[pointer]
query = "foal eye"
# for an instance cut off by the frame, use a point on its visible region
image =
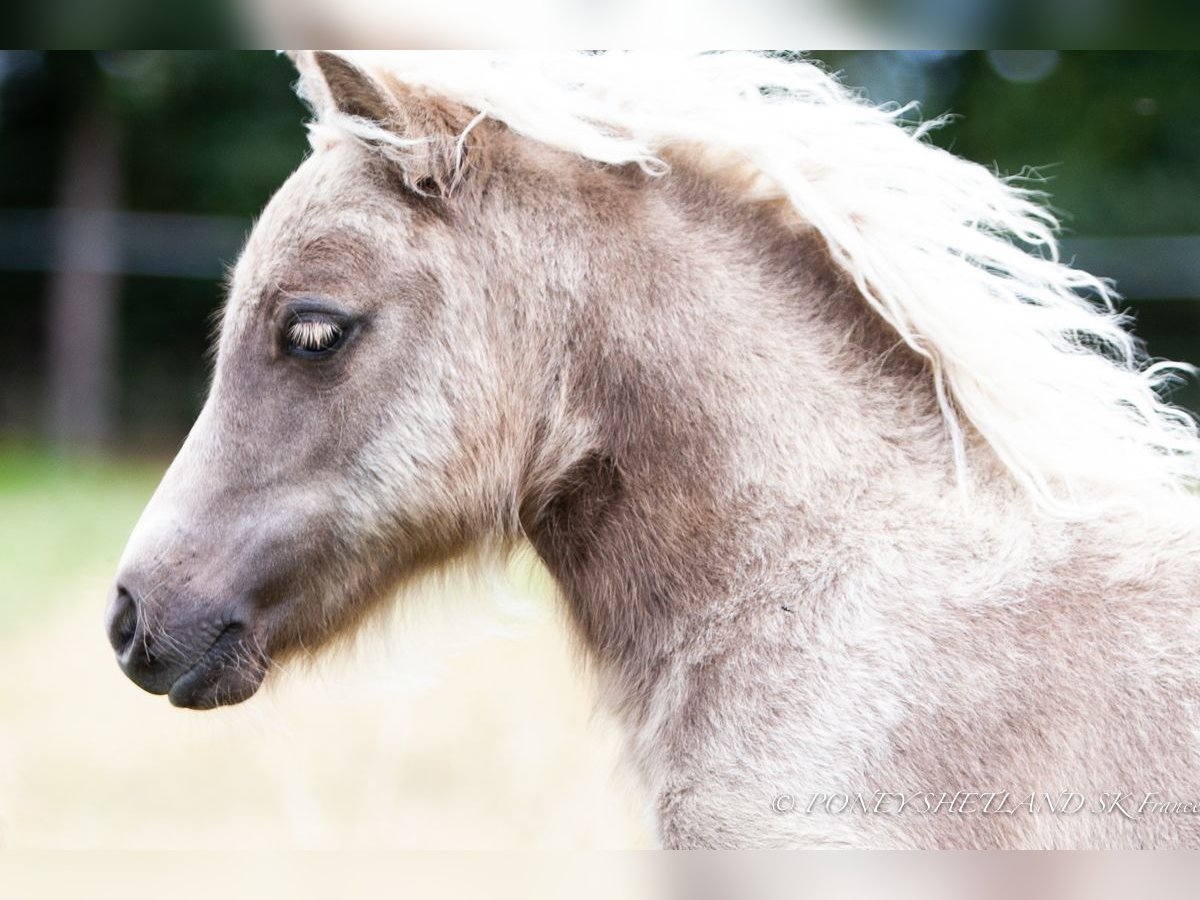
(313, 336)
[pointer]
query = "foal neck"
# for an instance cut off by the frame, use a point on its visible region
(753, 424)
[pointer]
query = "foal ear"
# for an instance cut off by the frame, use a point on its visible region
(352, 90)
(431, 139)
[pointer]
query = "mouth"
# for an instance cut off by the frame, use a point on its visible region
(229, 671)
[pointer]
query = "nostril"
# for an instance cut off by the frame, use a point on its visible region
(122, 621)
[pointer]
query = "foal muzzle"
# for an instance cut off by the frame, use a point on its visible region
(206, 659)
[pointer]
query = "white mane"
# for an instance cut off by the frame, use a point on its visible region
(962, 263)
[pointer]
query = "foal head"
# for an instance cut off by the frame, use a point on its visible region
(364, 401)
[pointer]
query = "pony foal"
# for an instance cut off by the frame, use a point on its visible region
(849, 486)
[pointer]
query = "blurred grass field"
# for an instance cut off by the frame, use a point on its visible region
(60, 525)
(470, 723)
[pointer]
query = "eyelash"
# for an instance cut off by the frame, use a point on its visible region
(313, 336)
